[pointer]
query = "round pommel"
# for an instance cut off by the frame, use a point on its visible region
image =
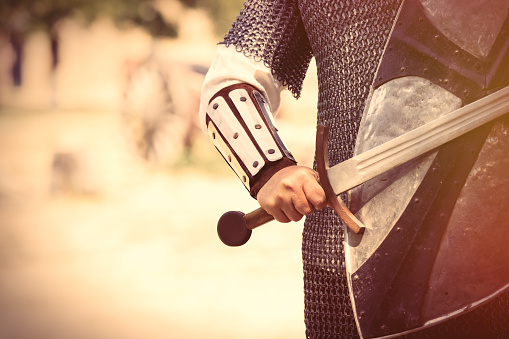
(232, 229)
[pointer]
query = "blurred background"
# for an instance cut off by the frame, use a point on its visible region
(109, 191)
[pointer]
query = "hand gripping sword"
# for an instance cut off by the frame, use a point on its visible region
(234, 228)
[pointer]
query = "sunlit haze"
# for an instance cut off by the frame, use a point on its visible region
(110, 194)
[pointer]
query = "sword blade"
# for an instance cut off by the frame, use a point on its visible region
(366, 166)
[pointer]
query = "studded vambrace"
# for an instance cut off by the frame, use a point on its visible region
(240, 123)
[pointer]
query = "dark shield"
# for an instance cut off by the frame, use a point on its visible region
(436, 243)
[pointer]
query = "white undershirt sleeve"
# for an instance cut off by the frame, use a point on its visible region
(231, 67)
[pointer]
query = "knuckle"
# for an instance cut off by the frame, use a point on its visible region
(316, 197)
(292, 213)
(283, 220)
(303, 208)
(280, 216)
(296, 217)
(279, 199)
(287, 185)
(320, 202)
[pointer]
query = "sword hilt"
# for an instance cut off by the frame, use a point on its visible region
(234, 228)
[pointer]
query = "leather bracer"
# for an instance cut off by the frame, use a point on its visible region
(240, 123)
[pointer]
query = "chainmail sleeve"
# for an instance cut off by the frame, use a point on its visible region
(272, 31)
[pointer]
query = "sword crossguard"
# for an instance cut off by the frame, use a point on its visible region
(322, 164)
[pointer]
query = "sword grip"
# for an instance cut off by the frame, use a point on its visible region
(257, 218)
(234, 227)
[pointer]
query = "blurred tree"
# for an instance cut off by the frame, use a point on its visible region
(44, 14)
(20, 17)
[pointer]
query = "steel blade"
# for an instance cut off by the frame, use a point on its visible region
(365, 166)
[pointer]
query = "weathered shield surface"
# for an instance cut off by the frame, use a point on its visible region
(436, 243)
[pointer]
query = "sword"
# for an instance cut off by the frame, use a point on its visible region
(234, 228)
(359, 169)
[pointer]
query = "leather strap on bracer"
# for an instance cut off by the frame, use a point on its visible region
(240, 123)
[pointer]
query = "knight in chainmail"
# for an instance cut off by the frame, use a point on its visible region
(275, 41)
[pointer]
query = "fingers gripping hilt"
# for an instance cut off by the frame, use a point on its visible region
(234, 228)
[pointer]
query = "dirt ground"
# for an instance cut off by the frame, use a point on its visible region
(128, 250)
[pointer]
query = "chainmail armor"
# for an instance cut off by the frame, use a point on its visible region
(272, 32)
(347, 39)
(347, 56)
